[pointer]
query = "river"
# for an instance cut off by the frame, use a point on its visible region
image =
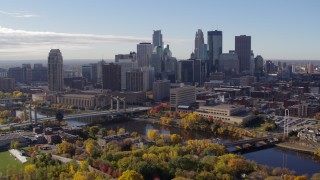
(273, 157)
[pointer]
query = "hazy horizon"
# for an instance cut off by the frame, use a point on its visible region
(28, 30)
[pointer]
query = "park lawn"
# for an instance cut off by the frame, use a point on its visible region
(7, 161)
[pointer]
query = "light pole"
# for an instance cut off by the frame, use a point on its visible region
(286, 125)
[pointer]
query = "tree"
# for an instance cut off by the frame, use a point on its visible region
(153, 134)
(93, 131)
(121, 131)
(130, 175)
(30, 170)
(59, 116)
(91, 147)
(66, 148)
(15, 144)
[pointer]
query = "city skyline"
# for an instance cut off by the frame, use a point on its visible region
(28, 30)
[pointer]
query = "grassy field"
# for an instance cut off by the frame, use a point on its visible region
(7, 161)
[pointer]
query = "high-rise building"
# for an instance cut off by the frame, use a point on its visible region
(243, 49)
(258, 63)
(270, 67)
(215, 49)
(126, 65)
(200, 48)
(157, 39)
(186, 71)
(55, 70)
(3, 72)
(7, 84)
(111, 77)
(27, 73)
(148, 78)
(99, 71)
(161, 90)
(310, 68)
(144, 53)
(185, 95)
(39, 73)
(16, 73)
(134, 80)
(229, 62)
(157, 56)
(87, 72)
(132, 56)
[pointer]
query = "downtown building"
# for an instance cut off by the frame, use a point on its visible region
(200, 48)
(144, 54)
(161, 90)
(111, 77)
(215, 49)
(39, 73)
(7, 84)
(243, 49)
(55, 70)
(126, 65)
(229, 62)
(182, 96)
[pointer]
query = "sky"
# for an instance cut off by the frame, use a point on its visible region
(96, 29)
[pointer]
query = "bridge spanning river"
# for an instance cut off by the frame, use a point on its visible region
(110, 113)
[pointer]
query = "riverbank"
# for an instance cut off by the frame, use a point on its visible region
(296, 147)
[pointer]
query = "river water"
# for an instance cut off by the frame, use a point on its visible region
(273, 157)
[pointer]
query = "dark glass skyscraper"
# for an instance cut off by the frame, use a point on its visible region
(243, 49)
(215, 49)
(157, 38)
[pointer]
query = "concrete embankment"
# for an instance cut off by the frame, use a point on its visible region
(295, 147)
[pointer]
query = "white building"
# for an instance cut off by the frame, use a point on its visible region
(184, 95)
(126, 65)
(225, 112)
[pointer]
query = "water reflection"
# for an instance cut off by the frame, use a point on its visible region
(274, 157)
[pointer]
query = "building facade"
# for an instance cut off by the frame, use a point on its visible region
(229, 62)
(215, 49)
(134, 80)
(161, 90)
(144, 53)
(111, 77)
(7, 84)
(184, 95)
(243, 49)
(55, 70)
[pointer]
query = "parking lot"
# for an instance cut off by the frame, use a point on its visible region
(294, 122)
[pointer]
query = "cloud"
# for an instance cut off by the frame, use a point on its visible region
(20, 14)
(17, 43)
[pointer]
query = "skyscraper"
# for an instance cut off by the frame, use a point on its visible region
(243, 49)
(111, 77)
(200, 48)
(215, 49)
(157, 39)
(156, 60)
(144, 53)
(134, 80)
(55, 70)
